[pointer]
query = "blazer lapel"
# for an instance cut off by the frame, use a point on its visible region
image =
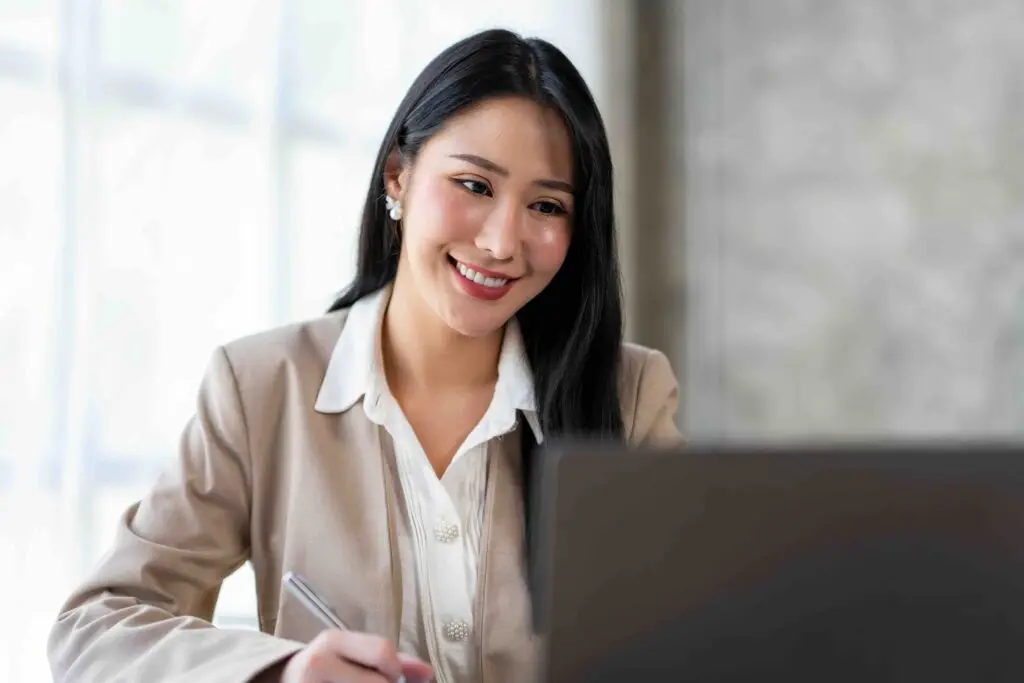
(377, 552)
(509, 649)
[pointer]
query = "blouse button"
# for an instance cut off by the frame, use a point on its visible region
(456, 630)
(446, 532)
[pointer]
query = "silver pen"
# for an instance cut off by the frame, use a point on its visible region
(300, 588)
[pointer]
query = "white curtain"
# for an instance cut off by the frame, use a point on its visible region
(175, 174)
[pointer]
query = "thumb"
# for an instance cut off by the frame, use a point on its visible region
(414, 669)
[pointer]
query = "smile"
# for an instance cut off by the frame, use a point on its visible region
(481, 286)
(479, 278)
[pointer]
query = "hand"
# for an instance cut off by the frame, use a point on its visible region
(347, 657)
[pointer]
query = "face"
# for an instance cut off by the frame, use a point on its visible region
(487, 210)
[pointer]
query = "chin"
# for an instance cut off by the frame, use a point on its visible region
(474, 329)
(474, 324)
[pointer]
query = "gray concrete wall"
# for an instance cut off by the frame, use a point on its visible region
(829, 223)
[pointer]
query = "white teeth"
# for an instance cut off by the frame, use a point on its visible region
(480, 279)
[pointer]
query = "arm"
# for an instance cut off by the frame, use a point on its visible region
(657, 399)
(144, 613)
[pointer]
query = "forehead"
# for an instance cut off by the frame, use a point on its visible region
(513, 132)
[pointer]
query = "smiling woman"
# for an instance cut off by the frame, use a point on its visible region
(381, 450)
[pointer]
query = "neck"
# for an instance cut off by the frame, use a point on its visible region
(421, 352)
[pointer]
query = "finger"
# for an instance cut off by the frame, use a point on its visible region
(415, 669)
(327, 666)
(369, 650)
(356, 673)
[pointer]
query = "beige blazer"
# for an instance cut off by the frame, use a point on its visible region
(261, 476)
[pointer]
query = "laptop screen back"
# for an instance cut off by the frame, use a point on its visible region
(874, 563)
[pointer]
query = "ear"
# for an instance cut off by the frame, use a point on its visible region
(396, 175)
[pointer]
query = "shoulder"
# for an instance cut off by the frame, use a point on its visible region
(644, 370)
(291, 359)
(309, 342)
(649, 394)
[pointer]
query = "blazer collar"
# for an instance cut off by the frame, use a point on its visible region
(354, 370)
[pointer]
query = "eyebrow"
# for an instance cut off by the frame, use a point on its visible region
(489, 165)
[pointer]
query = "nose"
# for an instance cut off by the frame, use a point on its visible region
(499, 235)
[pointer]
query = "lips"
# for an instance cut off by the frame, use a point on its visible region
(479, 283)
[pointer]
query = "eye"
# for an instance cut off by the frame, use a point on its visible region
(548, 208)
(475, 186)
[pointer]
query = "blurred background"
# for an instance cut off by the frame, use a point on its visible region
(821, 212)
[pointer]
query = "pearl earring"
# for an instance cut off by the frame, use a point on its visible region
(394, 208)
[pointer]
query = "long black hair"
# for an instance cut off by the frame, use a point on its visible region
(572, 330)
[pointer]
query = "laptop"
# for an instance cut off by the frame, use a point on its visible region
(733, 563)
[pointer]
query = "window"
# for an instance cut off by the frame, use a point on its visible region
(174, 174)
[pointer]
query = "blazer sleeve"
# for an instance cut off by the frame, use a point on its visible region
(656, 402)
(144, 613)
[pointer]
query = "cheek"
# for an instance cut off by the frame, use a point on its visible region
(549, 248)
(442, 215)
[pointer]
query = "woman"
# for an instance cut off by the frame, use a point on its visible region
(379, 451)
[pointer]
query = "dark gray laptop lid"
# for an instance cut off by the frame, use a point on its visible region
(734, 564)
